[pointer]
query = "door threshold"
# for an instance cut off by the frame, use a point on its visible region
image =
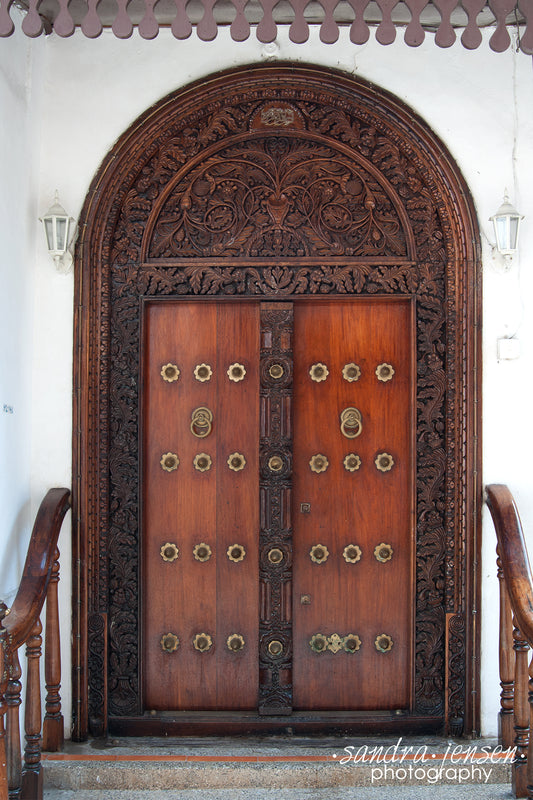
(223, 723)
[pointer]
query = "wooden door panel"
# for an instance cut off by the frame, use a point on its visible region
(187, 507)
(364, 507)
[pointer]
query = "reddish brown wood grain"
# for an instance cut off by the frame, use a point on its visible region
(365, 507)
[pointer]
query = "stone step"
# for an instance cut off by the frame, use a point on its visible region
(494, 791)
(284, 767)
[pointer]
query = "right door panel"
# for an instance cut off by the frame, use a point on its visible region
(353, 490)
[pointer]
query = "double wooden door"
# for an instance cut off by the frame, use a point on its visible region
(278, 505)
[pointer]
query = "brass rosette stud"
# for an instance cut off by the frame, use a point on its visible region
(170, 373)
(202, 552)
(275, 648)
(275, 463)
(383, 643)
(169, 462)
(352, 462)
(202, 462)
(319, 463)
(236, 553)
(335, 643)
(383, 552)
(203, 372)
(352, 553)
(169, 642)
(318, 372)
(384, 372)
(352, 643)
(202, 642)
(276, 371)
(318, 643)
(319, 553)
(236, 372)
(169, 552)
(235, 642)
(275, 555)
(384, 462)
(351, 372)
(236, 462)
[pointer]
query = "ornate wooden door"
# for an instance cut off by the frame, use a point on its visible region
(311, 229)
(278, 534)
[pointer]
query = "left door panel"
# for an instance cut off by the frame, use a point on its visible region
(199, 433)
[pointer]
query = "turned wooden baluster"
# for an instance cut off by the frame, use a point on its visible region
(53, 728)
(14, 760)
(3, 708)
(32, 778)
(521, 713)
(507, 663)
(530, 746)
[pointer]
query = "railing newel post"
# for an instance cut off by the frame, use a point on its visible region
(32, 778)
(506, 663)
(53, 726)
(4, 788)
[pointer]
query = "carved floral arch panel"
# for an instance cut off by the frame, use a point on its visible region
(277, 181)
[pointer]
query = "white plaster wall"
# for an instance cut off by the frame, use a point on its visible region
(20, 68)
(478, 102)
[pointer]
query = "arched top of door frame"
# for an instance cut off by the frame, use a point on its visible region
(440, 270)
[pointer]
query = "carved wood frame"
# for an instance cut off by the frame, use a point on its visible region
(115, 271)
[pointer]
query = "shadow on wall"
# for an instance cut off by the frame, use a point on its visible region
(13, 554)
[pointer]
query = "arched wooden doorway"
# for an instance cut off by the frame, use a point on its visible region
(276, 395)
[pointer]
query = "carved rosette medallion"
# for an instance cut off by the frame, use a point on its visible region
(383, 220)
(275, 633)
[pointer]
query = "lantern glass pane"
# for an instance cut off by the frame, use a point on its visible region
(49, 231)
(501, 230)
(513, 232)
(61, 229)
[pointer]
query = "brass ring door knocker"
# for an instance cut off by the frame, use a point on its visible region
(351, 423)
(201, 419)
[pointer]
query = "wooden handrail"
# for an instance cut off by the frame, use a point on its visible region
(513, 555)
(31, 594)
(22, 625)
(515, 636)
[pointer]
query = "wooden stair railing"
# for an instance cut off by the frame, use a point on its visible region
(22, 778)
(516, 636)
